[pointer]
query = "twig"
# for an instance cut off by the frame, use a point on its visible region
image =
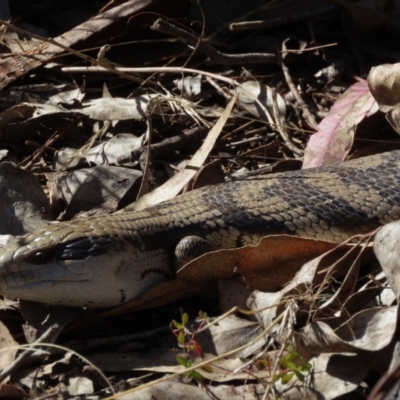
(52, 332)
(306, 111)
(281, 21)
(169, 145)
(203, 363)
(280, 127)
(215, 56)
(174, 70)
(70, 50)
(49, 143)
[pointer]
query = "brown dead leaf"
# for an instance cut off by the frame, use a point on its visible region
(275, 261)
(384, 83)
(267, 267)
(8, 391)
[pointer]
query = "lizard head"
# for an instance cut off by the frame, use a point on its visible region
(68, 264)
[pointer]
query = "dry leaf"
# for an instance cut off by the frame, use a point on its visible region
(116, 151)
(266, 267)
(334, 139)
(387, 250)
(97, 190)
(255, 89)
(178, 181)
(8, 347)
(24, 207)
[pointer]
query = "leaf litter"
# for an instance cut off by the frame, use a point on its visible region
(297, 318)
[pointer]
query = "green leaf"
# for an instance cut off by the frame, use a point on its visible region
(197, 375)
(183, 361)
(287, 378)
(306, 367)
(295, 356)
(181, 337)
(207, 368)
(185, 319)
(186, 378)
(177, 325)
(299, 376)
(288, 364)
(276, 377)
(262, 364)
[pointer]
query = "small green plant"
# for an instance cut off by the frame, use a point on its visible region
(187, 363)
(192, 348)
(291, 367)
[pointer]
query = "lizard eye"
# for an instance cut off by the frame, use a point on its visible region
(40, 257)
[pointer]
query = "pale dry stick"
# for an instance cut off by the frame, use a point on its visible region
(360, 238)
(39, 152)
(279, 126)
(96, 136)
(49, 143)
(173, 70)
(215, 56)
(91, 60)
(241, 311)
(322, 46)
(170, 144)
(256, 136)
(144, 159)
(51, 332)
(306, 111)
(217, 87)
(281, 21)
(178, 181)
(238, 129)
(255, 357)
(202, 364)
(330, 270)
(289, 321)
(30, 348)
(200, 37)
